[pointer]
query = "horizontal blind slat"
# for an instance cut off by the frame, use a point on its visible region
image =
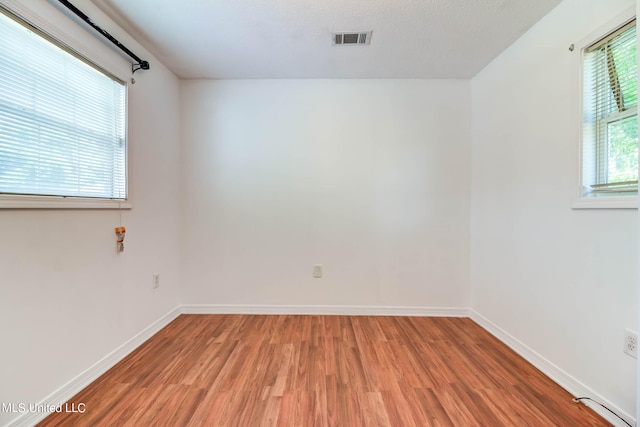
(62, 122)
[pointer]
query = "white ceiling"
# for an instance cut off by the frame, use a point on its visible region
(246, 39)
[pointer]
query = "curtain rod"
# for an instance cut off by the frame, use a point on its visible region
(140, 65)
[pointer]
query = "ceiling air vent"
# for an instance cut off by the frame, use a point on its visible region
(351, 37)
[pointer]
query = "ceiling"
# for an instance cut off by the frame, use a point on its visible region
(256, 39)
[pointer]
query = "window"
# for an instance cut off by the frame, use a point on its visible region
(610, 123)
(62, 120)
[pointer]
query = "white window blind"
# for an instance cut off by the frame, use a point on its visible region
(610, 133)
(62, 120)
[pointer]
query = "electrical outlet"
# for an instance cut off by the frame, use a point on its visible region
(631, 343)
(156, 280)
(317, 271)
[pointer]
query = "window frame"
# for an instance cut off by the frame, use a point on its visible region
(90, 50)
(609, 202)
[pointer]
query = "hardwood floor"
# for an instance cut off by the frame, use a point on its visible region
(240, 370)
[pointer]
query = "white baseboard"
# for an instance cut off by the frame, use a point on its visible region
(562, 378)
(346, 310)
(70, 389)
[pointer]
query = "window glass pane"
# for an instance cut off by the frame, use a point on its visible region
(623, 150)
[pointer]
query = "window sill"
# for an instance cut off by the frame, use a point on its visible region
(29, 202)
(628, 202)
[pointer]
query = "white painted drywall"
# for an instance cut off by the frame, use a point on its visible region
(66, 298)
(561, 281)
(369, 178)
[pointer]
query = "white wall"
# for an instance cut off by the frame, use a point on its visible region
(66, 298)
(561, 281)
(369, 178)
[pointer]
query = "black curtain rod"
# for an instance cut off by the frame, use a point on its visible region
(140, 65)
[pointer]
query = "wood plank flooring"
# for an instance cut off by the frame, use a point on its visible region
(241, 370)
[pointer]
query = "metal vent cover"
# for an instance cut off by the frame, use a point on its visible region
(351, 38)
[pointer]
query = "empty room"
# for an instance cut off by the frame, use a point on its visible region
(318, 213)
